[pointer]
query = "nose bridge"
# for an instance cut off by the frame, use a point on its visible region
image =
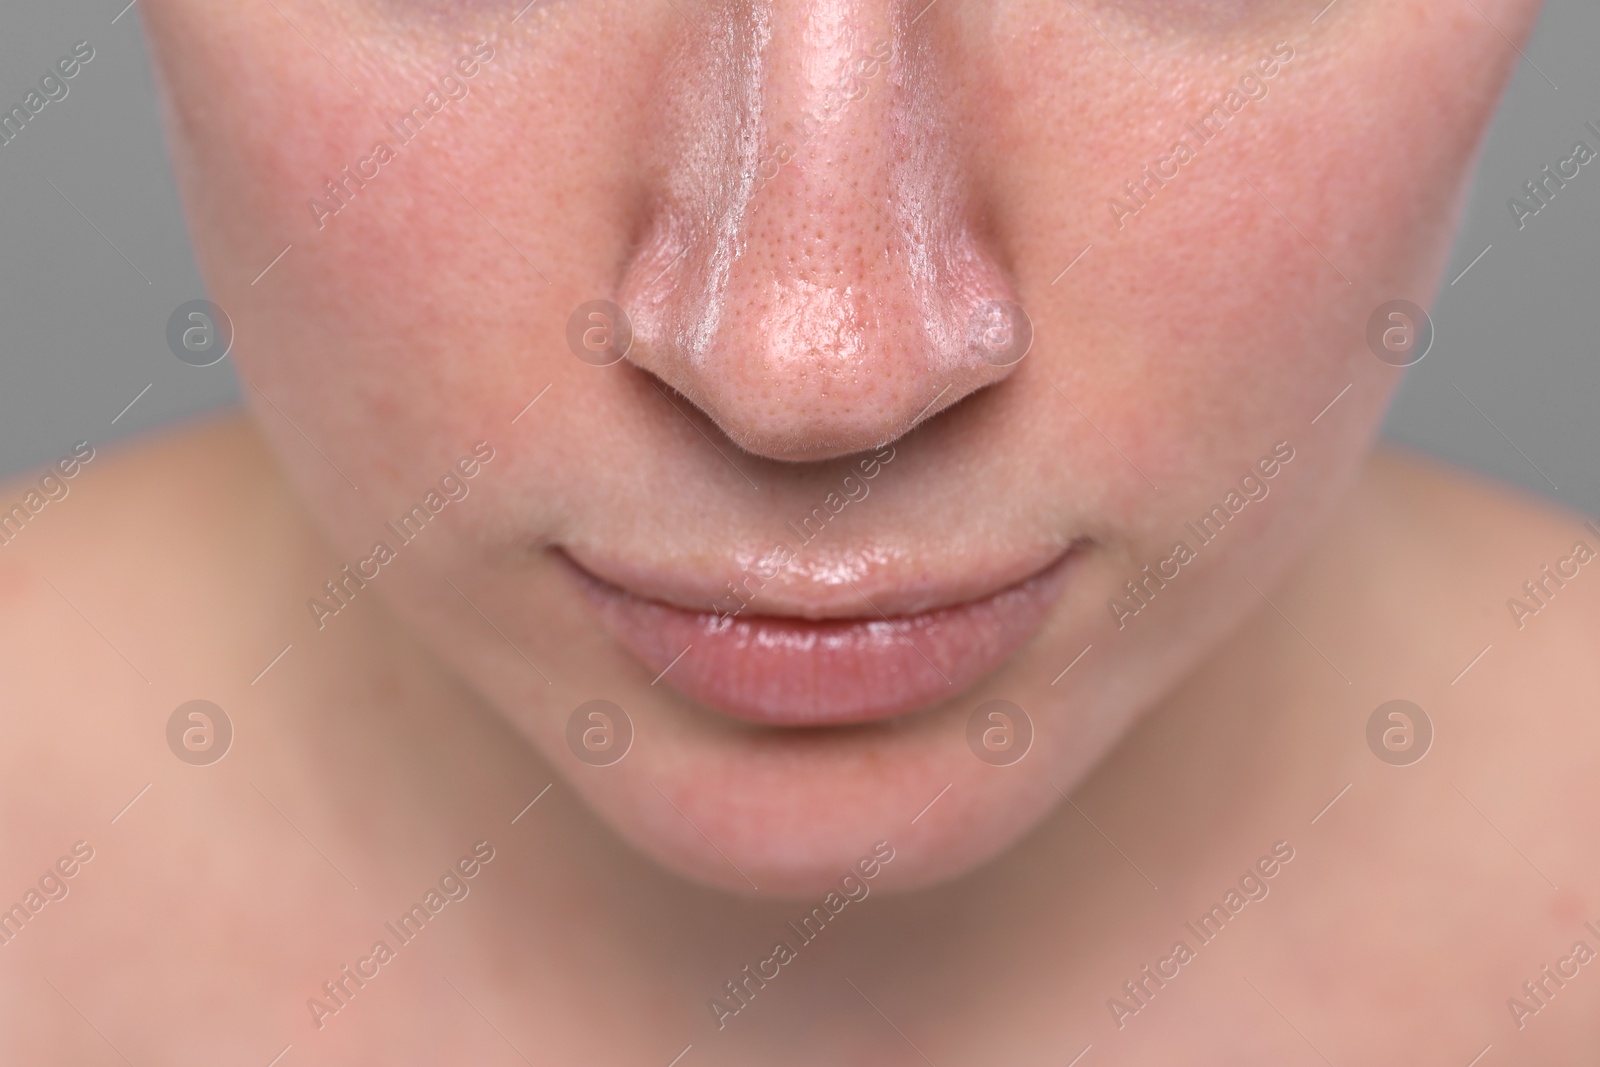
(809, 274)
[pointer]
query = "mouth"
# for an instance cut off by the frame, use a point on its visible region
(793, 670)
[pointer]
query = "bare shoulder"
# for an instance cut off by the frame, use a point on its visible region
(1478, 603)
(132, 536)
(1481, 589)
(132, 579)
(1520, 566)
(1481, 603)
(201, 469)
(143, 578)
(196, 468)
(1458, 857)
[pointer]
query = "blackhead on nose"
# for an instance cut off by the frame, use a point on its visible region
(811, 269)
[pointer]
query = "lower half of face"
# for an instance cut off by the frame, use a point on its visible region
(818, 408)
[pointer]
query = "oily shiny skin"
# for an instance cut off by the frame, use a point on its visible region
(802, 205)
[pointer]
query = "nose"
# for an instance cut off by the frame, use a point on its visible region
(811, 268)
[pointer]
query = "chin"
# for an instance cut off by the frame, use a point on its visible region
(786, 813)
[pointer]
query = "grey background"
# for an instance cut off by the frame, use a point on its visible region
(84, 298)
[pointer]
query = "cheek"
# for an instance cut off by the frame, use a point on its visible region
(425, 304)
(1231, 307)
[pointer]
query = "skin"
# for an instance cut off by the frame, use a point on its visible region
(805, 322)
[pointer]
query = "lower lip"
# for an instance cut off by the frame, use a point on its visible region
(796, 672)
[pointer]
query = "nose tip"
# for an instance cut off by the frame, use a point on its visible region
(811, 273)
(818, 344)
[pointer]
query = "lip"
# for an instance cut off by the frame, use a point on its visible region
(789, 670)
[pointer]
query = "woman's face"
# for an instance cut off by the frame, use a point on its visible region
(831, 501)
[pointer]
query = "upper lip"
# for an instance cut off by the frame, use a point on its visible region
(857, 584)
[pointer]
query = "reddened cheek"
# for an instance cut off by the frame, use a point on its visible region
(1230, 288)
